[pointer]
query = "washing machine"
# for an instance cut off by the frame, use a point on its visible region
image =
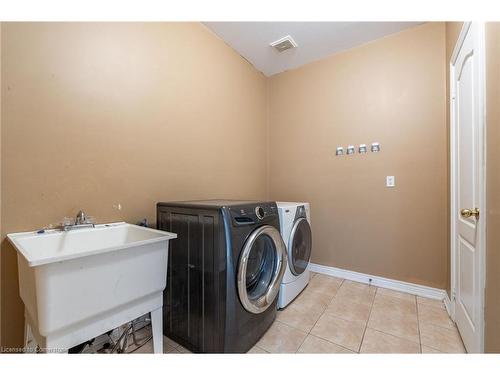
(295, 227)
(224, 273)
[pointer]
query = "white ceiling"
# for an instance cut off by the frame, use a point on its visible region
(315, 40)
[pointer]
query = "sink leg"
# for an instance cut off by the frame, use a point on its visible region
(157, 328)
(30, 343)
(27, 333)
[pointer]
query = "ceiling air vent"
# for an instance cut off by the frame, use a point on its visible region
(284, 43)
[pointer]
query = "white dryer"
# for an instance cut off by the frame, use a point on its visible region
(295, 227)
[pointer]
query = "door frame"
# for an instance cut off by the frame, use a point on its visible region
(479, 43)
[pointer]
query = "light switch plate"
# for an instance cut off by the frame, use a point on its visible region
(390, 181)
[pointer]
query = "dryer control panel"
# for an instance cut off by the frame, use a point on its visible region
(253, 214)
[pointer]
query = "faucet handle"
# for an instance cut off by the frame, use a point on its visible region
(67, 221)
(90, 220)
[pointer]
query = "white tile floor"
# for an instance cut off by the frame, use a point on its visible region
(340, 316)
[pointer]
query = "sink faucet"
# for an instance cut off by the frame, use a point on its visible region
(81, 221)
(81, 218)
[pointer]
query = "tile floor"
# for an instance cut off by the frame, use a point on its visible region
(340, 316)
(169, 346)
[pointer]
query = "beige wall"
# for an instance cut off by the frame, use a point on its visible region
(492, 305)
(96, 115)
(392, 91)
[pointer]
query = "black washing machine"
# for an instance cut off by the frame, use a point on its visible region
(224, 273)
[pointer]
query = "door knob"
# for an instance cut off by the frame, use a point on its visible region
(468, 213)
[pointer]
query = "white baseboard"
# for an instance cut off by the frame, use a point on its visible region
(400, 286)
(447, 304)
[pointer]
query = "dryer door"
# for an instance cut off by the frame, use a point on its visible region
(261, 268)
(299, 247)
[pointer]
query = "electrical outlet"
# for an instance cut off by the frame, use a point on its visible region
(390, 181)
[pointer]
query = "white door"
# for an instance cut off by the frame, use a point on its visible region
(467, 122)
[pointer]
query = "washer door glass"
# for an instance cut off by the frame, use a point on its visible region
(261, 269)
(261, 263)
(299, 248)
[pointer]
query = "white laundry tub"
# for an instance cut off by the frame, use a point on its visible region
(79, 284)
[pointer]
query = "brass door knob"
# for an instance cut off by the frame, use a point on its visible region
(468, 213)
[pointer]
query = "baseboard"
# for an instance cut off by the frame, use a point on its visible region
(447, 304)
(400, 286)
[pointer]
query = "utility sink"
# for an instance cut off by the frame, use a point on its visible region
(79, 284)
